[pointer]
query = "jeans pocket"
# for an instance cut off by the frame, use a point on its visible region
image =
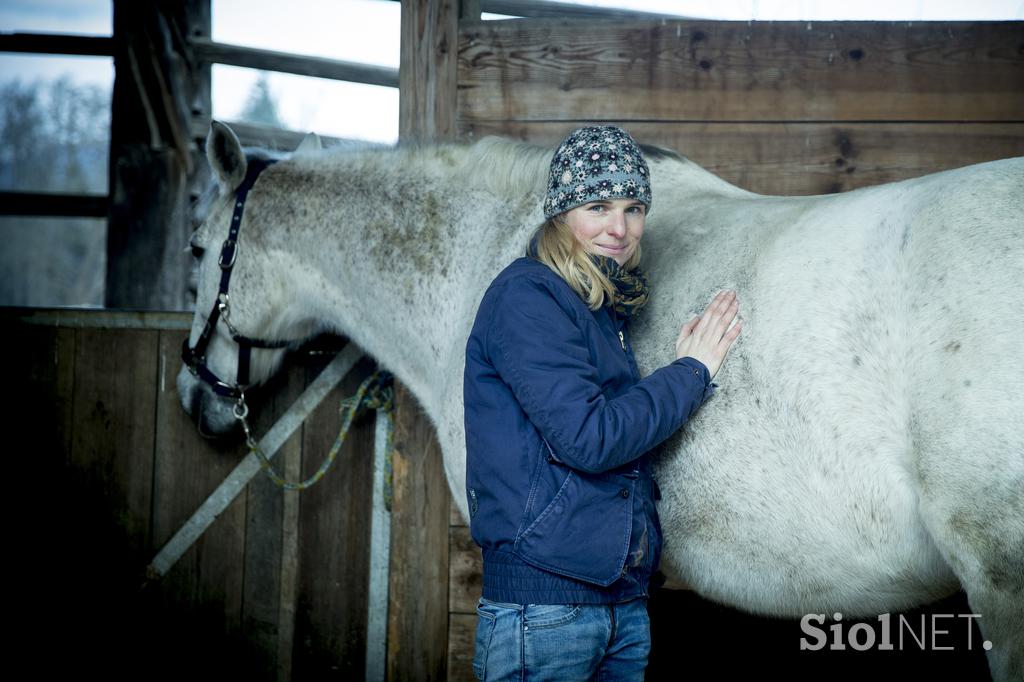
(537, 616)
(484, 631)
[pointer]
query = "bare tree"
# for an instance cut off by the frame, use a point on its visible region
(54, 137)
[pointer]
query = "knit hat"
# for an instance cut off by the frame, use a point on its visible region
(596, 163)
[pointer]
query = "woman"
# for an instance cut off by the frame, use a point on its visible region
(559, 427)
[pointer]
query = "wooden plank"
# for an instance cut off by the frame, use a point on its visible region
(270, 530)
(42, 378)
(544, 8)
(335, 521)
(427, 72)
(267, 137)
(380, 554)
(114, 408)
(208, 578)
(79, 318)
(536, 70)
(418, 589)
(469, 10)
(804, 158)
(50, 43)
(50, 204)
(291, 468)
(461, 644)
(466, 571)
(286, 62)
(418, 614)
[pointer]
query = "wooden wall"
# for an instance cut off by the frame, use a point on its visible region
(276, 588)
(774, 107)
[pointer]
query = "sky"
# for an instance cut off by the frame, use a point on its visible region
(368, 31)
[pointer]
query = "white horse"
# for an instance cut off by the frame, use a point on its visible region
(865, 451)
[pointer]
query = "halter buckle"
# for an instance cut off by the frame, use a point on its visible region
(232, 254)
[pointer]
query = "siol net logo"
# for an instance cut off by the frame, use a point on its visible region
(934, 632)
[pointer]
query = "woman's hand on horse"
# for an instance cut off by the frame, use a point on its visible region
(705, 337)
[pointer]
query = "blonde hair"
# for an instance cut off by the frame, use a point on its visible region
(558, 248)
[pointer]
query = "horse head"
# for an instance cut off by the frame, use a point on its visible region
(243, 320)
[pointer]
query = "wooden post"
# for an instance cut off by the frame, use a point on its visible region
(154, 162)
(427, 70)
(418, 587)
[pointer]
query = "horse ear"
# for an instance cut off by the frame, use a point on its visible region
(310, 143)
(225, 155)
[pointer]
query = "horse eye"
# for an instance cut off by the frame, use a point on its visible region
(197, 251)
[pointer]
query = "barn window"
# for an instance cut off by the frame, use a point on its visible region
(54, 150)
(361, 33)
(327, 107)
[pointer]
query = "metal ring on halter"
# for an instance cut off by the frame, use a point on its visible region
(241, 409)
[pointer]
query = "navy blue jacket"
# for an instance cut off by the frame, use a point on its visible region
(559, 427)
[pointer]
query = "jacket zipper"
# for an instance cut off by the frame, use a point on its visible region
(622, 340)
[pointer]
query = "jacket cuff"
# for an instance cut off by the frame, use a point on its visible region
(700, 370)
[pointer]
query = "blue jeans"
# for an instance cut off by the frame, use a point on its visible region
(562, 641)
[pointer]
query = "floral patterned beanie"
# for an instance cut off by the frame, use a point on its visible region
(595, 163)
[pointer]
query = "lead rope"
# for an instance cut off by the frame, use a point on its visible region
(375, 393)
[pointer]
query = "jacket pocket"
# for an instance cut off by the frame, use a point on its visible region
(584, 531)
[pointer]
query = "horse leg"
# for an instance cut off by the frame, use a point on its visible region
(975, 513)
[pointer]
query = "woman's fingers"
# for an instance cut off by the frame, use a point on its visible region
(726, 318)
(717, 311)
(708, 336)
(731, 335)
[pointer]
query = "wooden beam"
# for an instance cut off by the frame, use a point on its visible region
(802, 158)
(334, 554)
(155, 165)
(418, 589)
(49, 204)
(78, 318)
(469, 10)
(269, 60)
(545, 9)
(741, 71)
(49, 43)
(253, 135)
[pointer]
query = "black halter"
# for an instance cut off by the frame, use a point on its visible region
(195, 357)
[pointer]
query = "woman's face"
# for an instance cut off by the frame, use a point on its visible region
(611, 227)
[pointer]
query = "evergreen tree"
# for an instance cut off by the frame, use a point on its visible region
(261, 108)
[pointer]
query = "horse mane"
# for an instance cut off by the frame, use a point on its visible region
(522, 168)
(496, 165)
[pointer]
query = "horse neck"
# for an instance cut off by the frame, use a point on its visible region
(400, 270)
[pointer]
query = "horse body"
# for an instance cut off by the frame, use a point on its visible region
(864, 452)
